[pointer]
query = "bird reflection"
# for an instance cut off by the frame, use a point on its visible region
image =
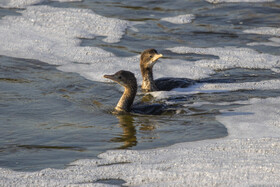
(129, 132)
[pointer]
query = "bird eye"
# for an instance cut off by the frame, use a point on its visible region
(120, 77)
(151, 56)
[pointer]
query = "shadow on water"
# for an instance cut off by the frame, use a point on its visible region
(128, 136)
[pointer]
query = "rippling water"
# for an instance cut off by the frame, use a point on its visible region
(49, 118)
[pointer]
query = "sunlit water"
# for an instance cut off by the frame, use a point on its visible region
(49, 118)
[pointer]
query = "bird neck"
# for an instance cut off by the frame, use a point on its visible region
(127, 98)
(148, 83)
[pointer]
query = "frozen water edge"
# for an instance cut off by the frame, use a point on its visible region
(52, 35)
(248, 156)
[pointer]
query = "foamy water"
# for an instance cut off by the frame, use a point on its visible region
(181, 19)
(238, 1)
(248, 156)
(24, 4)
(251, 146)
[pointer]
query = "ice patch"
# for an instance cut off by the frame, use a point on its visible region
(262, 121)
(180, 68)
(18, 3)
(181, 19)
(274, 42)
(164, 68)
(238, 1)
(25, 3)
(264, 31)
(262, 85)
(249, 156)
(52, 35)
(216, 88)
(232, 57)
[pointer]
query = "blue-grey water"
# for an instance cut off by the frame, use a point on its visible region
(49, 118)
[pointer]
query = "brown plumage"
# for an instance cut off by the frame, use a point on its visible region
(147, 60)
(129, 82)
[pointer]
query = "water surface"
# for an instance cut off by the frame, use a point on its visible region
(49, 118)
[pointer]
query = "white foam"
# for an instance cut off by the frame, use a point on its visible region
(238, 1)
(229, 57)
(264, 31)
(232, 57)
(181, 19)
(274, 42)
(180, 68)
(248, 156)
(51, 35)
(262, 85)
(216, 88)
(25, 3)
(258, 119)
(18, 3)
(164, 68)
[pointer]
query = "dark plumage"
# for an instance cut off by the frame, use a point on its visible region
(147, 60)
